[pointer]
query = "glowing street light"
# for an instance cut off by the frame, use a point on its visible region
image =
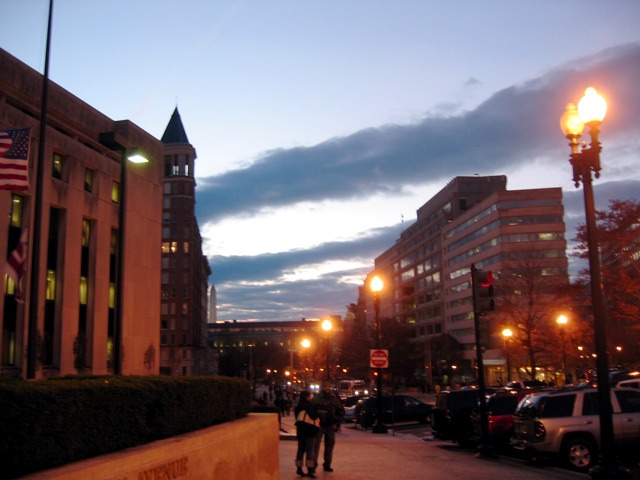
(591, 110)
(113, 141)
(305, 343)
(327, 326)
(562, 322)
(376, 286)
(507, 333)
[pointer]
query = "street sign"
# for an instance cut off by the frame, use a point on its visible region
(379, 358)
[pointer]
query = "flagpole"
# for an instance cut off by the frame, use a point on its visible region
(32, 339)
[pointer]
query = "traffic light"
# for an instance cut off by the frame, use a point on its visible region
(482, 284)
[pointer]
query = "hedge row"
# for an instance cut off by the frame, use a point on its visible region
(48, 423)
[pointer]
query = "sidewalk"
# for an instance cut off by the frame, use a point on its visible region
(365, 455)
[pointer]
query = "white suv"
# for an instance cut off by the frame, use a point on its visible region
(632, 383)
(566, 422)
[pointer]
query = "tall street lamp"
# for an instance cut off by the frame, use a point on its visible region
(305, 343)
(376, 286)
(113, 141)
(507, 333)
(585, 160)
(327, 326)
(562, 321)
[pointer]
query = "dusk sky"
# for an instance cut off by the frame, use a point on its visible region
(322, 126)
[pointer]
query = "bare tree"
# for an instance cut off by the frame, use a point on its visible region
(530, 294)
(619, 241)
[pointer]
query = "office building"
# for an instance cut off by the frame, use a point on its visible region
(472, 221)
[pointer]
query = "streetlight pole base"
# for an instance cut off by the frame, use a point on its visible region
(379, 428)
(485, 450)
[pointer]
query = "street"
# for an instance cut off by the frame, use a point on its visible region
(437, 454)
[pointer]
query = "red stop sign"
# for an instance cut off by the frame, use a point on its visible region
(379, 358)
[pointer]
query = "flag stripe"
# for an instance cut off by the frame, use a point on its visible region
(14, 159)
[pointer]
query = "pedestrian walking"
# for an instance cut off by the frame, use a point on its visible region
(306, 433)
(331, 413)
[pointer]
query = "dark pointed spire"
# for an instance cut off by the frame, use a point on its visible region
(175, 130)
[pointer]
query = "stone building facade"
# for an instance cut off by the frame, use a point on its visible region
(75, 321)
(185, 270)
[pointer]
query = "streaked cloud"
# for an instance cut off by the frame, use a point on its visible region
(515, 131)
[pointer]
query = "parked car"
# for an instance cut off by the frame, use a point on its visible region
(350, 404)
(500, 409)
(396, 409)
(566, 423)
(451, 416)
(629, 380)
(526, 384)
(635, 383)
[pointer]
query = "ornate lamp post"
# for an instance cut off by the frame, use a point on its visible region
(376, 286)
(507, 333)
(585, 161)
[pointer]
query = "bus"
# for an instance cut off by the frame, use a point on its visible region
(347, 388)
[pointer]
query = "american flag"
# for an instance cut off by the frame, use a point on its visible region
(17, 263)
(14, 159)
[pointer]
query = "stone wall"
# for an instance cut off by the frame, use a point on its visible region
(247, 448)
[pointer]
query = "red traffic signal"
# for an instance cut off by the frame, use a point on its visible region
(485, 279)
(482, 284)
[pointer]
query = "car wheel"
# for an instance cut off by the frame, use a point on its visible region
(580, 453)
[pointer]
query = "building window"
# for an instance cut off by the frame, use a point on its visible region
(115, 192)
(84, 282)
(169, 247)
(88, 180)
(15, 216)
(58, 162)
(10, 312)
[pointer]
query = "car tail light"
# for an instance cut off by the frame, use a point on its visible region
(539, 432)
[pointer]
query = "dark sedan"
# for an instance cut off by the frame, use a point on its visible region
(396, 409)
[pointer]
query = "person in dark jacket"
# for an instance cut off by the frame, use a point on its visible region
(331, 413)
(306, 434)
